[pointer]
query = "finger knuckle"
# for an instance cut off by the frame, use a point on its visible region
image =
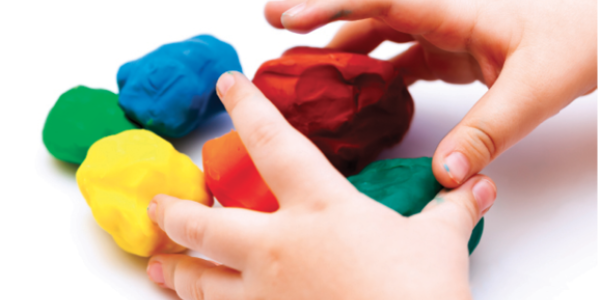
(462, 208)
(194, 232)
(462, 220)
(470, 209)
(317, 205)
(482, 142)
(318, 200)
(272, 254)
(374, 27)
(264, 134)
(204, 285)
(274, 268)
(237, 96)
(199, 287)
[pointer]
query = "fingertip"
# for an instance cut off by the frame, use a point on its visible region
(466, 150)
(153, 204)
(466, 204)
(288, 18)
(481, 194)
(590, 91)
(441, 174)
(452, 166)
(234, 87)
(152, 211)
(457, 166)
(224, 83)
(157, 206)
(287, 15)
(160, 197)
(484, 191)
(274, 10)
(155, 272)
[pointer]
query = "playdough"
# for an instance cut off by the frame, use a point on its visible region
(171, 90)
(350, 105)
(120, 176)
(80, 117)
(405, 185)
(232, 177)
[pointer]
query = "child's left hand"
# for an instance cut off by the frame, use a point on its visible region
(327, 240)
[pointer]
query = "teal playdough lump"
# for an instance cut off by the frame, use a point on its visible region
(405, 185)
(80, 117)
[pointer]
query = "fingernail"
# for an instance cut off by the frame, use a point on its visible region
(226, 81)
(457, 166)
(294, 10)
(155, 273)
(485, 193)
(151, 210)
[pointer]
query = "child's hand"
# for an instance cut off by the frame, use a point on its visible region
(536, 57)
(327, 241)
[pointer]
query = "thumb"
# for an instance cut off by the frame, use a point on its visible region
(464, 206)
(526, 93)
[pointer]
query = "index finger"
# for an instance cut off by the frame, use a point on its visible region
(291, 165)
(227, 235)
(413, 17)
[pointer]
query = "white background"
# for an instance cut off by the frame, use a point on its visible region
(540, 239)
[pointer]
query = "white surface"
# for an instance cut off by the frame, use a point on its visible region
(540, 239)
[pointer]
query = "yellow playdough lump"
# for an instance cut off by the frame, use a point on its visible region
(120, 176)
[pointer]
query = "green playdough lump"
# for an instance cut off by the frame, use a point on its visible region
(80, 117)
(405, 185)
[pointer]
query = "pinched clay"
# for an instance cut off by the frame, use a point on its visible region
(405, 185)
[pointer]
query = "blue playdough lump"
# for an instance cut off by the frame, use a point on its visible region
(171, 90)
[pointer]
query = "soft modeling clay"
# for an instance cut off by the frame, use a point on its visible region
(80, 117)
(171, 90)
(350, 105)
(405, 185)
(232, 177)
(120, 176)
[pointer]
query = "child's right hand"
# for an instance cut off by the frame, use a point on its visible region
(327, 240)
(536, 57)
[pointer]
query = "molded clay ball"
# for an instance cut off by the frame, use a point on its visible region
(350, 105)
(120, 176)
(80, 117)
(232, 177)
(405, 185)
(171, 90)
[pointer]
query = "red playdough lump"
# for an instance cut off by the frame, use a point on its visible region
(350, 105)
(232, 177)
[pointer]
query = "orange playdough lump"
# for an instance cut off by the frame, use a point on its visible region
(232, 177)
